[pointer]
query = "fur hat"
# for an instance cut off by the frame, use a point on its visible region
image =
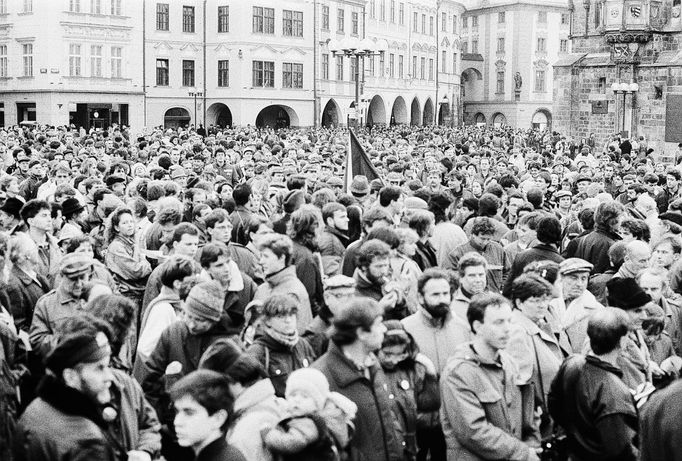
(310, 381)
(206, 300)
(626, 294)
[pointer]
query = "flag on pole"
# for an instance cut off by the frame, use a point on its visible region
(357, 163)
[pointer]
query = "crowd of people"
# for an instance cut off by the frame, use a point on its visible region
(223, 294)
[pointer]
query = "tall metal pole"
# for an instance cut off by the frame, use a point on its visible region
(195, 110)
(357, 91)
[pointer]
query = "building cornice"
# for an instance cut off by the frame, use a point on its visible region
(515, 7)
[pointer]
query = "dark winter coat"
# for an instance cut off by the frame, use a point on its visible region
(219, 450)
(279, 360)
(63, 424)
(176, 344)
(539, 252)
(332, 243)
(21, 294)
(309, 272)
(660, 425)
(594, 248)
(376, 437)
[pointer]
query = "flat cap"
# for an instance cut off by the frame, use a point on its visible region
(563, 193)
(335, 181)
(178, 172)
(583, 177)
(574, 265)
(360, 185)
(339, 281)
(75, 264)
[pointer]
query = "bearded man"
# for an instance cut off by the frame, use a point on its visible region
(437, 332)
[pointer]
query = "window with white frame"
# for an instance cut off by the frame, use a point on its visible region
(339, 68)
(500, 44)
(392, 12)
(188, 19)
(500, 81)
(542, 45)
(325, 17)
(444, 61)
(264, 74)
(382, 10)
(162, 72)
(28, 6)
(263, 20)
(444, 21)
(391, 65)
(415, 22)
(27, 54)
(401, 14)
(3, 61)
(292, 23)
(501, 17)
(354, 23)
(414, 67)
(292, 75)
(563, 46)
(96, 6)
(116, 59)
(75, 60)
(116, 7)
(422, 73)
(96, 60)
(401, 63)
(74, 6)
(188, 72)
(223, 19)
(540, 80)
(325, 66)
(162, 14)
(223, 73)
(353, 68)
(340, 20)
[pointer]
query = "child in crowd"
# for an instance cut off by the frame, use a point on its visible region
(413, 384)
(319, 422)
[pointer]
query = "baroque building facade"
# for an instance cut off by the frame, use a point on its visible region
(172, 63)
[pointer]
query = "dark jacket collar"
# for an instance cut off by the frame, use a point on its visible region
(213, 451)
(344, 371)
(599, 363)
(341, 235)
(546, 247)
(69, 400)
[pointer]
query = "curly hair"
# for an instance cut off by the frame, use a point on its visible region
(607, 214)
(113, 221)
(118, 312)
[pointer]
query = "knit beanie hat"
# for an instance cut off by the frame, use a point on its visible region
(205, 300)
(311, 382)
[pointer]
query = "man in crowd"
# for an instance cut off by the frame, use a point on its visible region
(486, 414)
(588, 398)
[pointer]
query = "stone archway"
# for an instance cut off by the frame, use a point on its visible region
(479, 119)
(176, 117)
(219, 114)
(376, 114)
(542, 119)
(415, 112)
(428, 112)
(443, 113)
(331, 115)
(277, 116)
(399, 112)
(472, 85)
(499, 120)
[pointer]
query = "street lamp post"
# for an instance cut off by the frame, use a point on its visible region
(196, 94)
(358, 49)
(624, 88)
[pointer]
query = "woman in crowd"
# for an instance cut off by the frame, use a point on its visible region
(532, 342)
(124, 258)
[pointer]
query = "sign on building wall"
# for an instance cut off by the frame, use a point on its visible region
(673, 118)
(600, 107)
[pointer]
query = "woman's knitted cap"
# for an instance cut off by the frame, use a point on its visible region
(310, 381)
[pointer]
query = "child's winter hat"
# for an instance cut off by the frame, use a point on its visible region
(310, 381)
